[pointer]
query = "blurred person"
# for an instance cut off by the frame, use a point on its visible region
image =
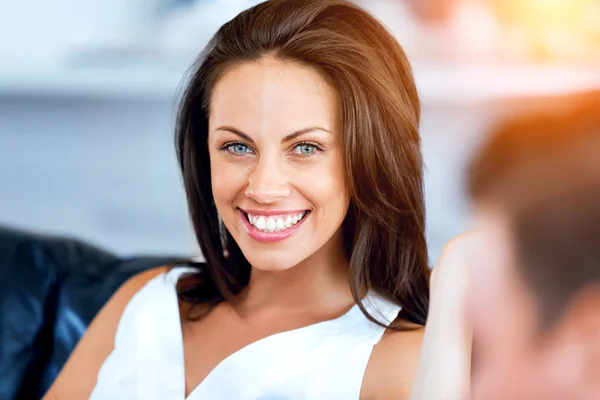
(298, 143)
(536, 294)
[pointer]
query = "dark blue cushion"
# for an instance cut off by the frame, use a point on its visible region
(50, 290)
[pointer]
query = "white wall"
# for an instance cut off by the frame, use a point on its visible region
(104, 170)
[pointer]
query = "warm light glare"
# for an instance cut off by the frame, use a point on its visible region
(564, 28)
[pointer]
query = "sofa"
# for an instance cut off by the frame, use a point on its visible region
(51, 288)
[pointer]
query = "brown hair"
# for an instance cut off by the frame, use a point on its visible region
(542, 170)
(384, 229)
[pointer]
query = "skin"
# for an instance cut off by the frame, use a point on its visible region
(294, 283)
(444, 370)
(268, 101)
(514, 358)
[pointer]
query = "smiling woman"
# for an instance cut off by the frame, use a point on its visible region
(325, 78)
(298, 143)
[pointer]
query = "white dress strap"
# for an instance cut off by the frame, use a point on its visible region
(340, 368)
(147, 361)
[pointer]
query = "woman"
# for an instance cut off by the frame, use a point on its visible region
(298, 143)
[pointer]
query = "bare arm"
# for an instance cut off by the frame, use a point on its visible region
(78, 377)
(444, 371)
(393, 365)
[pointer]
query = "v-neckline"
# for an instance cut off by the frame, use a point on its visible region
(247, 348)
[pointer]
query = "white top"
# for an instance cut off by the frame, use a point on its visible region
(326, 360)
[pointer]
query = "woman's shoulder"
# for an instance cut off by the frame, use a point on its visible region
(134, 284)
(135, 293)
(78, 377)
(393, 364)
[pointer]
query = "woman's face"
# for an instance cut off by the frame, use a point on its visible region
(276, 162)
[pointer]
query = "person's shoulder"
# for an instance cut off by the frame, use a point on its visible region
(112, 311)
(78, 377)
(134, 284)
(393, 364)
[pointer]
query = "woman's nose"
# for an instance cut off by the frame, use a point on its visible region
(267, 183)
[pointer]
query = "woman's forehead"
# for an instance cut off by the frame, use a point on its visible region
(273, 94)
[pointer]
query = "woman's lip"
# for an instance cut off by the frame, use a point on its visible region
(272, 212)
(269, 237)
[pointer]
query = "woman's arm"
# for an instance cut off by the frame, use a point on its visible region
(78, 377)
(393, 364)
(444, 371)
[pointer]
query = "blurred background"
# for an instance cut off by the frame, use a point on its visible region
(88, 98)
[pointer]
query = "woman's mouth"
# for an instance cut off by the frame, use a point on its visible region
(272, 226)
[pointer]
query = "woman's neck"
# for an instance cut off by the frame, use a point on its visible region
(321, 281)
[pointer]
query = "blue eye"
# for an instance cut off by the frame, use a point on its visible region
(305, 149)
(238, 148)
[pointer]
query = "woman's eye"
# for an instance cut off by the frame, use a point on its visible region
(305, 149)
(238, 148)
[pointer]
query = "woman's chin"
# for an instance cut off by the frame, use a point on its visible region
(270, 263)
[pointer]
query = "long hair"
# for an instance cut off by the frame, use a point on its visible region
(384, 231)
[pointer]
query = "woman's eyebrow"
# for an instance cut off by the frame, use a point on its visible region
(288, 138)
(235, 131)
(301, 132)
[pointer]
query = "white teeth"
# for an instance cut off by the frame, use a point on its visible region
(274, 224)
(271, 224)
(280, 224)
